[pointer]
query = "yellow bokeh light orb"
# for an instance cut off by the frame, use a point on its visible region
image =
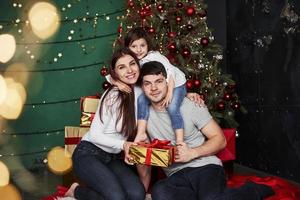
(4, 174)
(10, 192)
(59, 160)
(13, 103)
(44, 19)
(8, 47)
(21, 77)
(3, 89)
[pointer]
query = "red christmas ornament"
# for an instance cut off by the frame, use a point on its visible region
(202, 13)
(186, 53)
(190, 11)
(179, 5)
(227, 96)
(171, 34)
(236, 105)
(197, 83)
(231, 87)
(160, 7)
(204, 41)
(189, 27)
(151, 30)
(189, 84)
(178, 19)
(171, 57)
(106, 85)
(130, 4)
(104, 71)
(220, 105)
(120, 29)
(145, 12)
(172, 47)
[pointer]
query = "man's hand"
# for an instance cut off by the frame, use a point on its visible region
(184, 153)
(196, 98)
(128, 157)
(123, 87)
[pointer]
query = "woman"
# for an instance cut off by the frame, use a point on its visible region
(96, 160)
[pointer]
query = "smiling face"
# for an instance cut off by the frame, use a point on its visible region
(139, 47)
(127, 70)
(155, 87)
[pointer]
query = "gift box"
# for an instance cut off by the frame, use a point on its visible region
(73, 136)
(86, 119)
(89, 104)
(157, 153)
(228, 153)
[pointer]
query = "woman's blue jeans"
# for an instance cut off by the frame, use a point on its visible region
(201, 183)
(105, 175)
(173, 108)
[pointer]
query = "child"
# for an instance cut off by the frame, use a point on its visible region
(139, 42)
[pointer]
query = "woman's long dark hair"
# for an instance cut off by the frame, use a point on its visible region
(126, 110)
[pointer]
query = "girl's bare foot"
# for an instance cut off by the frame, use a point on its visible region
(70, 192)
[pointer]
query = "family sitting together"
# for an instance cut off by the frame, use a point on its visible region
(148, 100)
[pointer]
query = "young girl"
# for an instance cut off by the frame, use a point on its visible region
(139, 42)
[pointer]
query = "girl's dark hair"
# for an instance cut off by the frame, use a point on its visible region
(136, 34)
(126, 109)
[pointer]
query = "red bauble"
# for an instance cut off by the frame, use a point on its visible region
(160, 7)
(145, 11)
(190, 11)
(130, 4)
(171, 57)
(179, 5)
(227, 96)
(178, 19)
(189, 84)
(120, 29)
(197, 83)
(202, 13)
(171, 34)
(220, 105)
(172, 47)
(231, 87)
(189, 27)
(204, 41)
(151, 30)
(186, 53)
(235, 105)
(106, 85)
(104, 71)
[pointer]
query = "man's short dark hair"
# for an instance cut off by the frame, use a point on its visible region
(152, 68)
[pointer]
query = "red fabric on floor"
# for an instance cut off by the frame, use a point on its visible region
(283, 189)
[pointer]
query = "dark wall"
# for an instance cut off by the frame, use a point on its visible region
(263, 43)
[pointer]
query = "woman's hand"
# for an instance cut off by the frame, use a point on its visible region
(196, 98)
(128, 157)
(123, 87)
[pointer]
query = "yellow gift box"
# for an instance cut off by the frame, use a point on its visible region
(157, 153)
(86, 119)
(89, 104)
(73, 136)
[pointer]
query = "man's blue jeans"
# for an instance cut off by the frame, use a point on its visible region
(201, 183)
(106, 175)
(173, 108)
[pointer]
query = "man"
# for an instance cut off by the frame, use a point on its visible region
(197, 173)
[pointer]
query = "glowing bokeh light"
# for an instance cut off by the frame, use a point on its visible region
(44, 19)
(59, 160)
(4, 175)
(10, 192)
(12, 105)
(3, 89)
(8, 47)
(18, 77)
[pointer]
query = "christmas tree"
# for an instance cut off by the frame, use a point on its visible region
(179, 31)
